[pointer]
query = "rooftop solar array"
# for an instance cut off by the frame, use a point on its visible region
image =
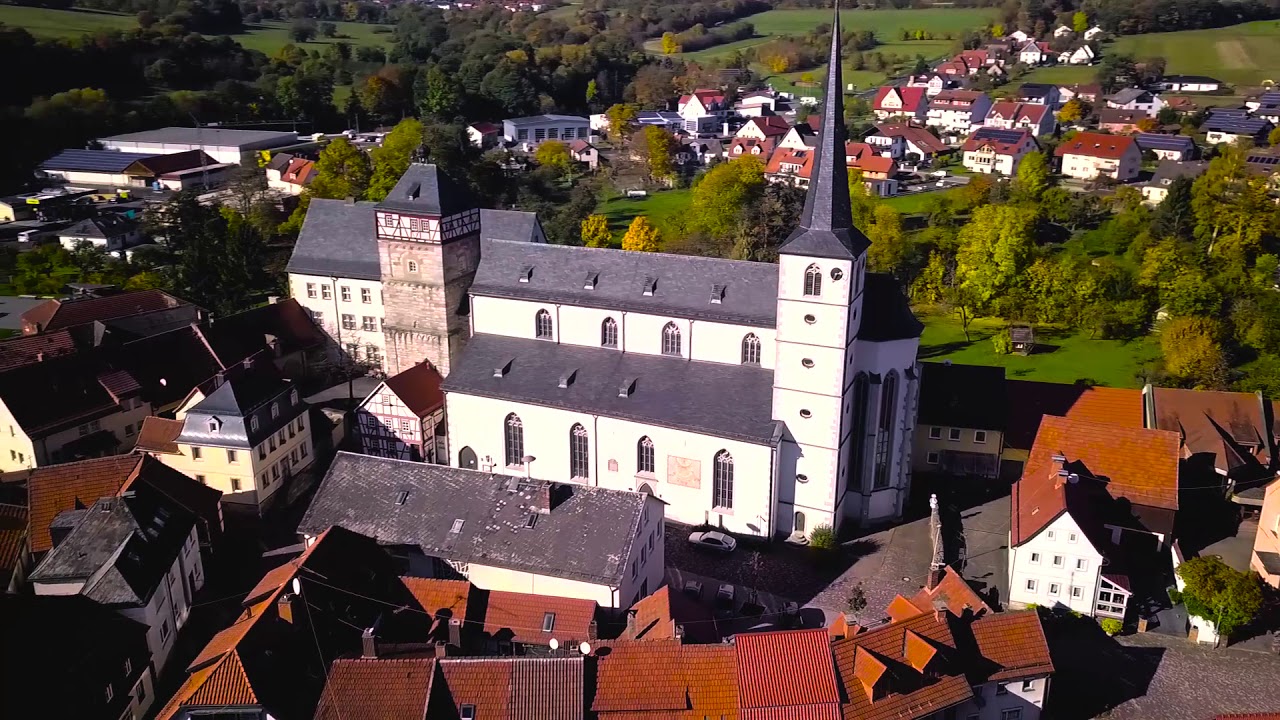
(1164, 142)
(93, 160)
(999, 134)
(1236, 126)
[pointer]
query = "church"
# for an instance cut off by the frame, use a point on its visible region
(765, 399)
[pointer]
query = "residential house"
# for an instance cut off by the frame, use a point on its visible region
(795, 167)
(1033, 117)
(741, 146)
(528, 133)
(1137, 99)
(661, 118)
(111, 232)
(1093, 33)
(245, 432)
(1265, 559)
(812, 691)
(976, 60)
(578, 541)
(703, 110)
(680, 680)
(955, 71)
(485, 135)
(1227, 127)
(900, 102)
(584, 152)
(1157, 188)
(93, 661)
(957, 112)
(290, 174)
(1030, 401)
(1062, 31)
(404, 417)
(769, 127)
(1039, 94)
(1083, 55)
(1178, 148)
(1183, 106)
(1226, 438)
(1034, 53)
(1190, 83)
(137, 552)
(961, 420)
(992, 150)
(292, 340)
(266, 663)
(703, 150)
(801, 136)
(1019, 36)
(1269, 98)
(757, 103)
(1091, 155)
(1265, 162)
(1087, 93)
(1092, 514)
(901, 141)
(58, 314)
(669, 614)
(1120, 122)
(935, 82)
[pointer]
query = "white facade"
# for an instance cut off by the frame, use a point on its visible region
(988, 160)
(1000, 700)
(531, 132)
(953, 118)
(349, 311)
(1088, 167)
(1092, 32)
(1057, 567)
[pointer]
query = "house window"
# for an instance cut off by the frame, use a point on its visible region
(404, 426)
(670, 339)
(280, 437)
(813, 280)
(293, 456)
(369, 323)
(366, 296)
(1057, 561)
(302, 449)
(196, 453)
(953, 434)
(1031, 586)
(1052, 534)
(644, 456)
(1001, 689)
(1054, 589)
(1035, 558)
(932, 458)
(1011, 714)
(542, 325)
(1072, 537)
(935, 433)
(888, 398)
(235, 484)
(293, 397)
(513, 436)
(275, 410)
(200, 479)
(1082, 564)
(413, 266)
(271, 443)
(722, 481)
(609, 333)
(111, 693)
(325, 292)
(253, 424)
(1077, 591)
(548, 622)
(348, 322)
(579, 454)
(751, 349)
(346, 294)
(860, 402)
(128, 667)
(233, 457)
(311, 290)
(164, 631)
(980, 436)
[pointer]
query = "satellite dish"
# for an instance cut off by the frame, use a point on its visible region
(555, 644)
(297, 586)
(585, 648)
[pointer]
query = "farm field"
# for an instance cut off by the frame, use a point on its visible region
(267, 37)
(663, 209)
(1243, 54)
(1061, 356)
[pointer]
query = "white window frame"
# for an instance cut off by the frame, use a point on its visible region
(311, 290)
(1028, 685)
(935, 433)
(1072, 537)
(1035, 558)
(1031, 585)
(1059, 561)
(953, 435)
(932, 458)
(980, 437)
(1077, 592)
(1055, 589)
(1082, 564)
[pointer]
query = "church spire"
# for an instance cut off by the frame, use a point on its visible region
(826, 226)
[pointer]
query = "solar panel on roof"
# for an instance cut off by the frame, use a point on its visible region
(999, 135)
(1163, 142)
(93, 160)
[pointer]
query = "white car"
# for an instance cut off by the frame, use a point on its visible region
(714, 540)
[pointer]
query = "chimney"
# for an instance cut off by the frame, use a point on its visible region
(284, 607)
(631, 623)
(938, 563)
(542, 497)
(368, 644)
(442, 649)
(455, 632)
(592, 629)
(40, 356)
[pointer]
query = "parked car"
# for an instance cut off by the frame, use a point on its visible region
(693, 589)
(714, 540)
(724, 595)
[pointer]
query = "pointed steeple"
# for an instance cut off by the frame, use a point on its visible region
(826, 227)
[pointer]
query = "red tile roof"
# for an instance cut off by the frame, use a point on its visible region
(864, 661)
(159, 435)
(787, 668)
(24, 350)
(523, 615)
(1134, 463)
(377, 689)
(664, 679)
(990, 137)
(920, 137)
(955, 99)
(435, 595)
(56, 314)
(1015, 643)
(1018, 112)
(1030, 400)
(13, 528)
(954, 593)
(513, 688)
(912, 99)
(419, 388)
(486, 684)
(665, 612)
(57, 488)
(1228, 425)
(770, 125)
(1097, 145)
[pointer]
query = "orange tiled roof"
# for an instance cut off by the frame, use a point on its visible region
(226, 684)
(57, 488)
(377, 689)
(1096, 145)
(641, 676)
(1030, 400)
(860, 657)
(954, 592)
(524, 614)
(1138, 464)
(711, 673)
(787, 668)
(13, 528)
(1015, 642)
(483, 683)
(159, 435)
(434, 594)
(1017, 111)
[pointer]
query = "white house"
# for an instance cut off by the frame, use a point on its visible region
(1034, 53)
(1093, 33)
(1062, 31)
(956, 112)
(530, 132)
(1190, 83)
(900, 102)
(109, 232)
(1136, 99)
(1035, 118)
(1082, 55)
(993, 150)
(404, 417)
(1091, 155)
(1062, 557)
(703, 110)
(1019, 36)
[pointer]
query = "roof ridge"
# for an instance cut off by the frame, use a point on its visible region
(633, 253)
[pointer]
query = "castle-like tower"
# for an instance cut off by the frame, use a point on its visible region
(428, 232)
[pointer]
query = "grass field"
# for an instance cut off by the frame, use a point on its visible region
(267, 37)
(911, 203)
(663, 209)
(1243, 54)
(1061, 356)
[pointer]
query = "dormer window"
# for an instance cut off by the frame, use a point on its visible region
(253, 424)
(214, 425)
(293, 397)
(275, 410)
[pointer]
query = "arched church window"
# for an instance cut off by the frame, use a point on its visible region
(513, 440)
(751, 349)
(722, 481)
(670, 339)
(609, 333)
(579, 452)
(813, 280)
(542, 325)
(644, 455)
(884, 437)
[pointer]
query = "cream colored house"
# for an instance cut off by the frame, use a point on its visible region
(245, 433)
(1091, 155)
(1266, 544)
(961, 420)
(995, 151)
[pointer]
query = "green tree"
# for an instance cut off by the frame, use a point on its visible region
(595, 231)
(995, 249)
(1192, 351)
(1174, 216)
(341, 172)
(641, 236)
(889, 245)
(1227, 597)
(723, 192)
(391, 160)
(593, 92)
(1080, 23)
(657, 146)
(622, 119)
(1033, 177)
(555, 155)
(862, 203)
(1273, 138)
(439, 97)
(302, 30)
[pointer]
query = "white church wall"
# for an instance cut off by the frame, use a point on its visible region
(791, 270)
(809, 368)
(644, 334)
(478, 423)
(582, 325)
(722, 342)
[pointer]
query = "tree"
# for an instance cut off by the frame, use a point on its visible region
(669, 44)
(1192, 352)
(555, 155)
(622, 119)
(302, 30)
(1147, 124)
(439, 96)
(995, 248)
(341, 172)
(1033, 177)
(641, 236)
(595, 231)
(889, 245)
(766, 223)
(593, 92)
(1174, 216)
(391, 160)
(861, 203)
(723, 192)
(1080, 23)
(657, 147)
(1273, 138)
(1227, 597)
(328, 29)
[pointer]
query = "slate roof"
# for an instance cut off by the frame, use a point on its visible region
(588, 535)
(234, 400)
(100, 228)
(787, 669)
(1156, 141)
(207, 136)
(56, 314)
(426, 189)
(670, 392)
(1127, 95)
(509, 225)
(377, 689)
(559, 273)
(964, 396)
(285, 324)
(1116, 116)
(337, 239)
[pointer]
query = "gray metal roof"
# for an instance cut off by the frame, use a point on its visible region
(233, 405)
(93, 160)
(1169, 170)
(1127, 95)
(717, 399)
(683, 283)
(826, 226)
(425, 189)
(510, 225)
(587, 535)
(207, 136)
(337, 239)
(886, 312)
(536, 119)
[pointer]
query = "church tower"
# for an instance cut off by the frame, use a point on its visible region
(428, 231)
(821, 277)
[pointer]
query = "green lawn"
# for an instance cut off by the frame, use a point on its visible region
(1062, 356)
(663, 208)
(267, 37)
(909, 204)
(1243, 54)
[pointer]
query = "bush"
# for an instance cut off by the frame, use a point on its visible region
(1002, 342)
(1111, 626)
(823, 537)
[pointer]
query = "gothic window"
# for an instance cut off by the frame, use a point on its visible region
(413, 266)
(859, 430)
(609, 333)
(884, 437)
(722, 481)
(670, 339)
(644, 456)
(813, 280)
(542, 325)
(513, 444)
(751, 349)
(579, 453)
